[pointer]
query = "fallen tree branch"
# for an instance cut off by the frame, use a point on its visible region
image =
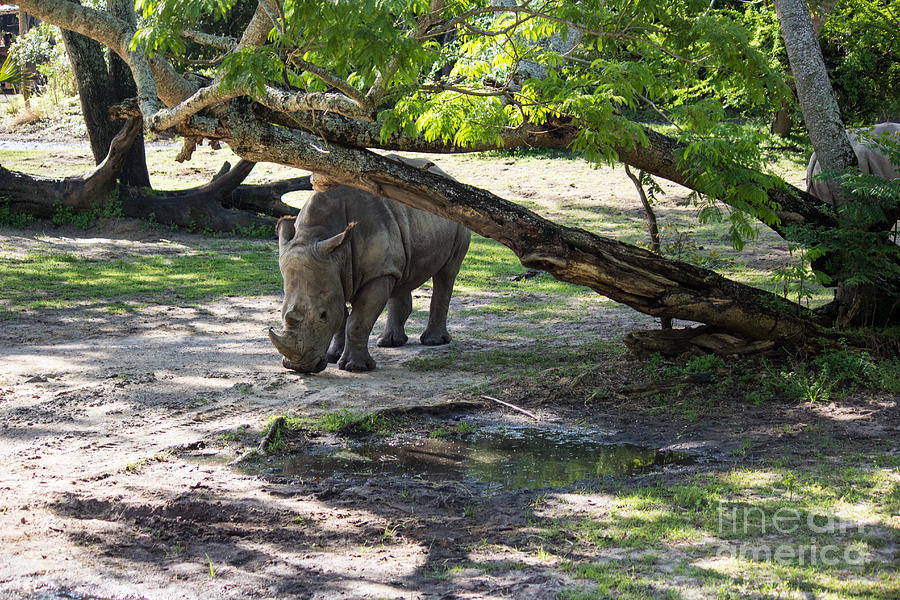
(512, 406)
(43, 196)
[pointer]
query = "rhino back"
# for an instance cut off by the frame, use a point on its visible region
(389, 238)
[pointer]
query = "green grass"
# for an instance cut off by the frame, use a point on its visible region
(492, 266)
(350, 421)
(759, 532)
(344, 420)
(525, 361)
(56, 280)
(833, 374)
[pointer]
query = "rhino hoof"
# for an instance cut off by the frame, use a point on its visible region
(391, 340)
(356, 366)
(431, 339)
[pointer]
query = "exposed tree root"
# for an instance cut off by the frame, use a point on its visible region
(692, 340)
(223, 205)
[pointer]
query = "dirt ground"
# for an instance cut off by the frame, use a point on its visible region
(115, 431)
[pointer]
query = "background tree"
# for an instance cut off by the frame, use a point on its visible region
(100, 85)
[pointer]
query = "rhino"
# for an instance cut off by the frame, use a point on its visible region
(348, 246)
(871, 160)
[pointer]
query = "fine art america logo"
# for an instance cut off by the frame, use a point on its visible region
(823, 536)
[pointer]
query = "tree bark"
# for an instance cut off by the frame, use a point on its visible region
(821, 113)
(135, 172)
(89, 67)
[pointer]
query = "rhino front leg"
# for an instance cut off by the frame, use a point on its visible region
(366, 306)
(337, 342)
(399, 308)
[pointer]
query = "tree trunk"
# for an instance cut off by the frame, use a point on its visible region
(99, 87)
(817, 102)
(134, 173)
(855, 303)
(89, 67)
(782, 122)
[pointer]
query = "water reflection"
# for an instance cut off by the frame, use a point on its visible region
(511, 458)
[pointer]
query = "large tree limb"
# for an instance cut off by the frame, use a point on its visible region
(223, 204)
(659, 156)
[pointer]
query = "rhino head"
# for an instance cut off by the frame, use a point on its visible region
(314, 304)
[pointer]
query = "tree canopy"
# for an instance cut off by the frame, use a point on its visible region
(662, 86)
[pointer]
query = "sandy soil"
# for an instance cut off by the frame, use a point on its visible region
(113, 481)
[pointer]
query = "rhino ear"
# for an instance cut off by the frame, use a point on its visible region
(326, 247)
(285, 231)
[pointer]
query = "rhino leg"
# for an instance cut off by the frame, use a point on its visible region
(366, 307)
(336, 348)
(436, 331)
(399, 308)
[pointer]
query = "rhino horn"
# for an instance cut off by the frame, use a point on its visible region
(282, 343)
(326, 247)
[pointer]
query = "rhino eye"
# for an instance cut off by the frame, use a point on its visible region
(324, 315)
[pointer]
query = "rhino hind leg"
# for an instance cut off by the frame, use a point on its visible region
(399, 309)
(436, 332)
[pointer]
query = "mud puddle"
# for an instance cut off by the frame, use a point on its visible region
(507, 458)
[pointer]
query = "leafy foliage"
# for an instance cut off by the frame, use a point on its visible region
(9, 218)
(66, 215)
(42, 47)
(862, 50)
(833, 373)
